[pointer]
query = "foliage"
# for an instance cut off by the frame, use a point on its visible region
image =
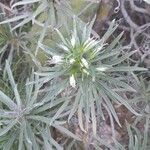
(93, 69)
(147, 1)
(19, 117)
(55, 69)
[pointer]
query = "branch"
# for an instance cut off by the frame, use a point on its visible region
(126, 16)
(136, 8)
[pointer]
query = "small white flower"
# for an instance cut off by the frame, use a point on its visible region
(73, 41)
(72, 60)
(102, 68)
(85, 63)
(65, 48)
(72, 81)
(85, 71)
(56, 59)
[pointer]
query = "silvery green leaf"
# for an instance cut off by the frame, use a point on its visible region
(65, 131)
(6, 129)
(127, 69)
(24, 2)
(14, 86)
(7, 101)
(147, 1)
(10, 142)
(15, 19)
